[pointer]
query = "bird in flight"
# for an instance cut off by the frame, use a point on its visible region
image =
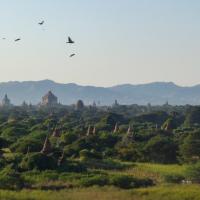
(41, 23)
(70, 41)
(18, 39)
(72, 55)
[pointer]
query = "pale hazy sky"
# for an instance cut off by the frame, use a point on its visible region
(117, 41)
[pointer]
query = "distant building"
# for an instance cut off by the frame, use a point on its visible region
(79, 105)
(94, 104)
(115, 103)
(24, 104)
(49, 99)
(6, 101)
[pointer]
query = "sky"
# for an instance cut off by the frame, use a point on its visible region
(116, 41)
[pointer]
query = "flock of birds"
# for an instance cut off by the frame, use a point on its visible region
(70, 41)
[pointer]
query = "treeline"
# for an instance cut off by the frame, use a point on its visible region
(70, 140)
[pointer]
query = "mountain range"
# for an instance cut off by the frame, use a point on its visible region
(156, 93)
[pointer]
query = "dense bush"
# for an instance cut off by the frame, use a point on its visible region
(38, 161)
(68, 138)
(174, 178)
(161, 149)
(128, 153)
(99, 180)
(193, 172)
(72, 166)
(9, 179)
(190, 148)
(127, 182)
(86, 154)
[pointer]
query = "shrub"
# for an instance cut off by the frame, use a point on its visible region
(38, 161)
(174, 178)
(68, 166)
(68, 138)
(9, 179)
(99, 180)
(160, 149)
(190, 148)
(122, 181)
(129, 153)
(193, 172)
(127, 182)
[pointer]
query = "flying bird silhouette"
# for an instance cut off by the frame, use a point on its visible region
(72, 55)
(41, 23)
(18, 39)
(70, 41)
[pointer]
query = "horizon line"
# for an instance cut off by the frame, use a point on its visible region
(90, 85)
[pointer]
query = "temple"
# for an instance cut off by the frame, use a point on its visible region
(79, 105)
(6, 101)
(49, 99)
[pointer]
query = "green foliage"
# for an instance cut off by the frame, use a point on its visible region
(14, 159)
(170, 124)
(193, 172)
(127, 182)
(193, 116)
(161, 149)
(128, 153)
(99, 180)
(72, 166)
(32, 143)
(86, 154)
(174, 178)
(12, 133)
(190, 149)
(102, 158)
(38, 161)
(107, 140)
(154, 117)
(166, 192)
(9, 179)
(68, 138)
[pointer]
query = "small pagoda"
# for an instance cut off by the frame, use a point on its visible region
(56, 133)
(116, 129)
(46, 147)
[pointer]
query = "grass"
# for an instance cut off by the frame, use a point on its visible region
(163, 169)
(154, 171)
(141, 170)
(168, 192)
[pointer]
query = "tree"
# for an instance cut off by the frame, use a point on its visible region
(38, 161)
(193, 172)
(10, 179)
(190, 149)
(161, 149)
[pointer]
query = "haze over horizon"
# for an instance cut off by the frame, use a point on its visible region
(105, 86)
(117, 41)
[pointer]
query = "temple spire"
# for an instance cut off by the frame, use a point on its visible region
(61, 159)
(88, 131)
(116, 128)
(94, 131)
(129, 130)
(46, 147)
(56, 132)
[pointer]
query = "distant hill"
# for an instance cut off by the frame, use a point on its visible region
(154, 93)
